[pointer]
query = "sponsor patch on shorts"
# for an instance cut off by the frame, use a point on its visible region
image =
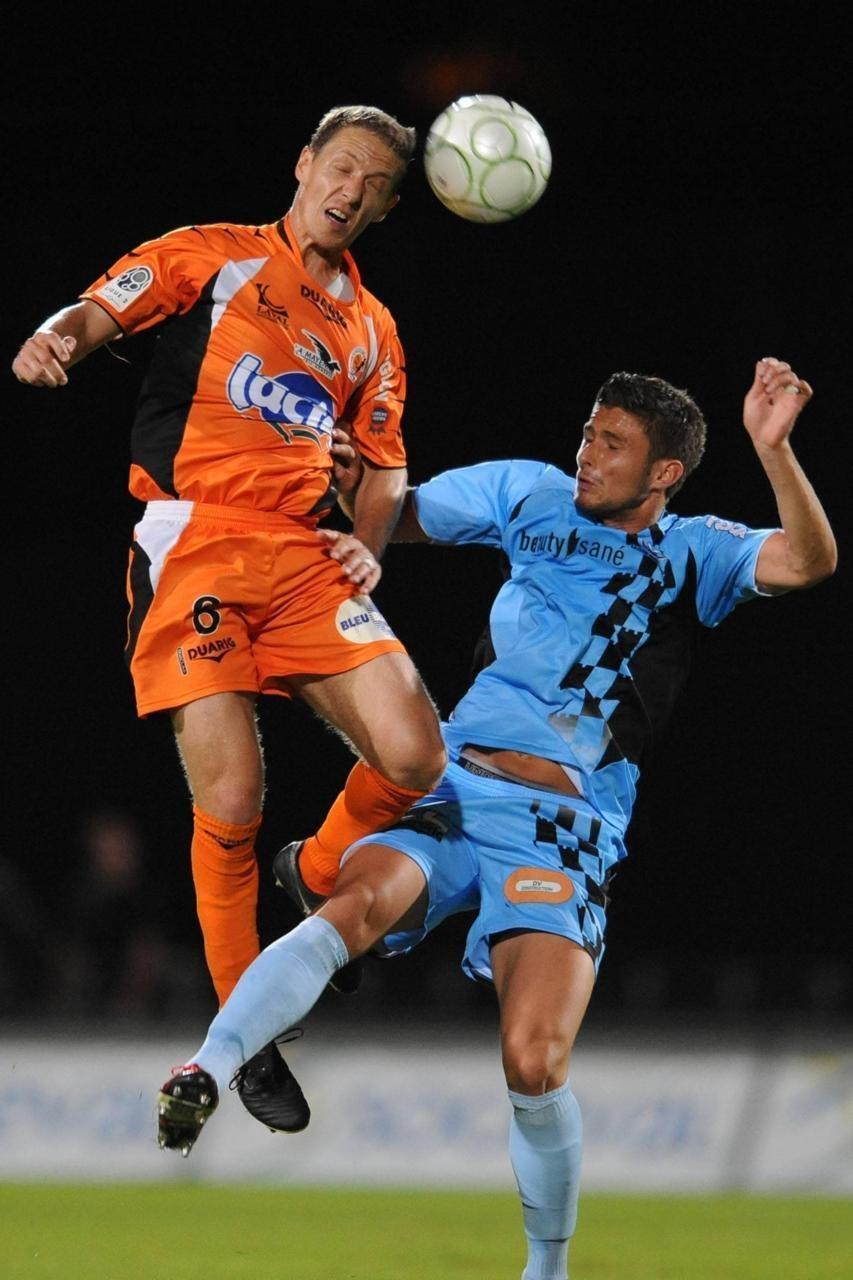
(126, 288)
(209, 651)
(538, 884)
(361, 622)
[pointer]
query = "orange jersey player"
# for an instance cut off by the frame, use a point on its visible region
(268, 338)
(257, 363)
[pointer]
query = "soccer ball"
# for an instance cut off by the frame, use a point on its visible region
(487, 159)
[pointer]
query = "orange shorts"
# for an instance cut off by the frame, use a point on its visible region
(234, 600)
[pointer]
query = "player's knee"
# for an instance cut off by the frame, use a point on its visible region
(351, 910)
(417, 766)
(231, 800)
(535, 1064)
(361, 912)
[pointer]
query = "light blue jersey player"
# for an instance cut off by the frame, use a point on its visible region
(590, 638)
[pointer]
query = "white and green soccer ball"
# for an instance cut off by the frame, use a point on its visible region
(487, 159)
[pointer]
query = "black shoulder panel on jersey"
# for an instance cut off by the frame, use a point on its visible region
(167, 392)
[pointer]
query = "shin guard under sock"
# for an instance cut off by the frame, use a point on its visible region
(545, 1150)
(225, 874)
(368, 803)
(275, 992)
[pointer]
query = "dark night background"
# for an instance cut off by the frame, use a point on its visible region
(696, 220)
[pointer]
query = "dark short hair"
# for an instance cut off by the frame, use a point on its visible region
(672, 419)
(400, 138)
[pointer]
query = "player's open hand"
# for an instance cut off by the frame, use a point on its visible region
(42, 359)
(774, 402)
(346, 463)
(357, 562)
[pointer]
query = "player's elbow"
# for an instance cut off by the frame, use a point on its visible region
(819, 566)
(795, 570)
(831, 562)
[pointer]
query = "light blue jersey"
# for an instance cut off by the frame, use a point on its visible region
(592, 631)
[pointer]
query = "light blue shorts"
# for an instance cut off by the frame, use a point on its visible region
(522, 858)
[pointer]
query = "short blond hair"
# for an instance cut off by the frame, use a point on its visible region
(400, 138)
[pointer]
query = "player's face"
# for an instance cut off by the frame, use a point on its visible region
(616, 483)
(345, 186)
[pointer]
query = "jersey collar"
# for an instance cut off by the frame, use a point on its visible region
(285, 233)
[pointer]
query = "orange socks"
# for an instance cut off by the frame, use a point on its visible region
(368, 802)
(225, 874)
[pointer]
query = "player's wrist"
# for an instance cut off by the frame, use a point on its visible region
(774, 451)
(373, 541)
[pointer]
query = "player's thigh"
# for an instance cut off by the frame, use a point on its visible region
(384, 710)
(379, 890)
(432, 839)
(218, 741)
(543, 983)
(315, 626)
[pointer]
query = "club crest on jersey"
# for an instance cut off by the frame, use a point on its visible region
(357, 364)
(319, 357)
(293, 404)
(123, 291)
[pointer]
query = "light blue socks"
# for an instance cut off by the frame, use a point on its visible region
(276, 991)
(545, 1137)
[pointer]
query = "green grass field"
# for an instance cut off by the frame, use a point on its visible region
(195, 1232)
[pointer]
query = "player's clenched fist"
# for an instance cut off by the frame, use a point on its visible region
(346, 464)
(774, 402)
(42, 359)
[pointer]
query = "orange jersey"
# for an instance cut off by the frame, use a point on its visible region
(254, 366)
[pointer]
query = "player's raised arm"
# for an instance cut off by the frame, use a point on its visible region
(61, 341)
(804, 552)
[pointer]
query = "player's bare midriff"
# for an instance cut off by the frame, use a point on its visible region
(522, 767)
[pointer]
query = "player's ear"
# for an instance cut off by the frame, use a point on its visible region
(395, 199)
(666, 472)
(303, 164)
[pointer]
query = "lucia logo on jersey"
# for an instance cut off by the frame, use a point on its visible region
(293, 403)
